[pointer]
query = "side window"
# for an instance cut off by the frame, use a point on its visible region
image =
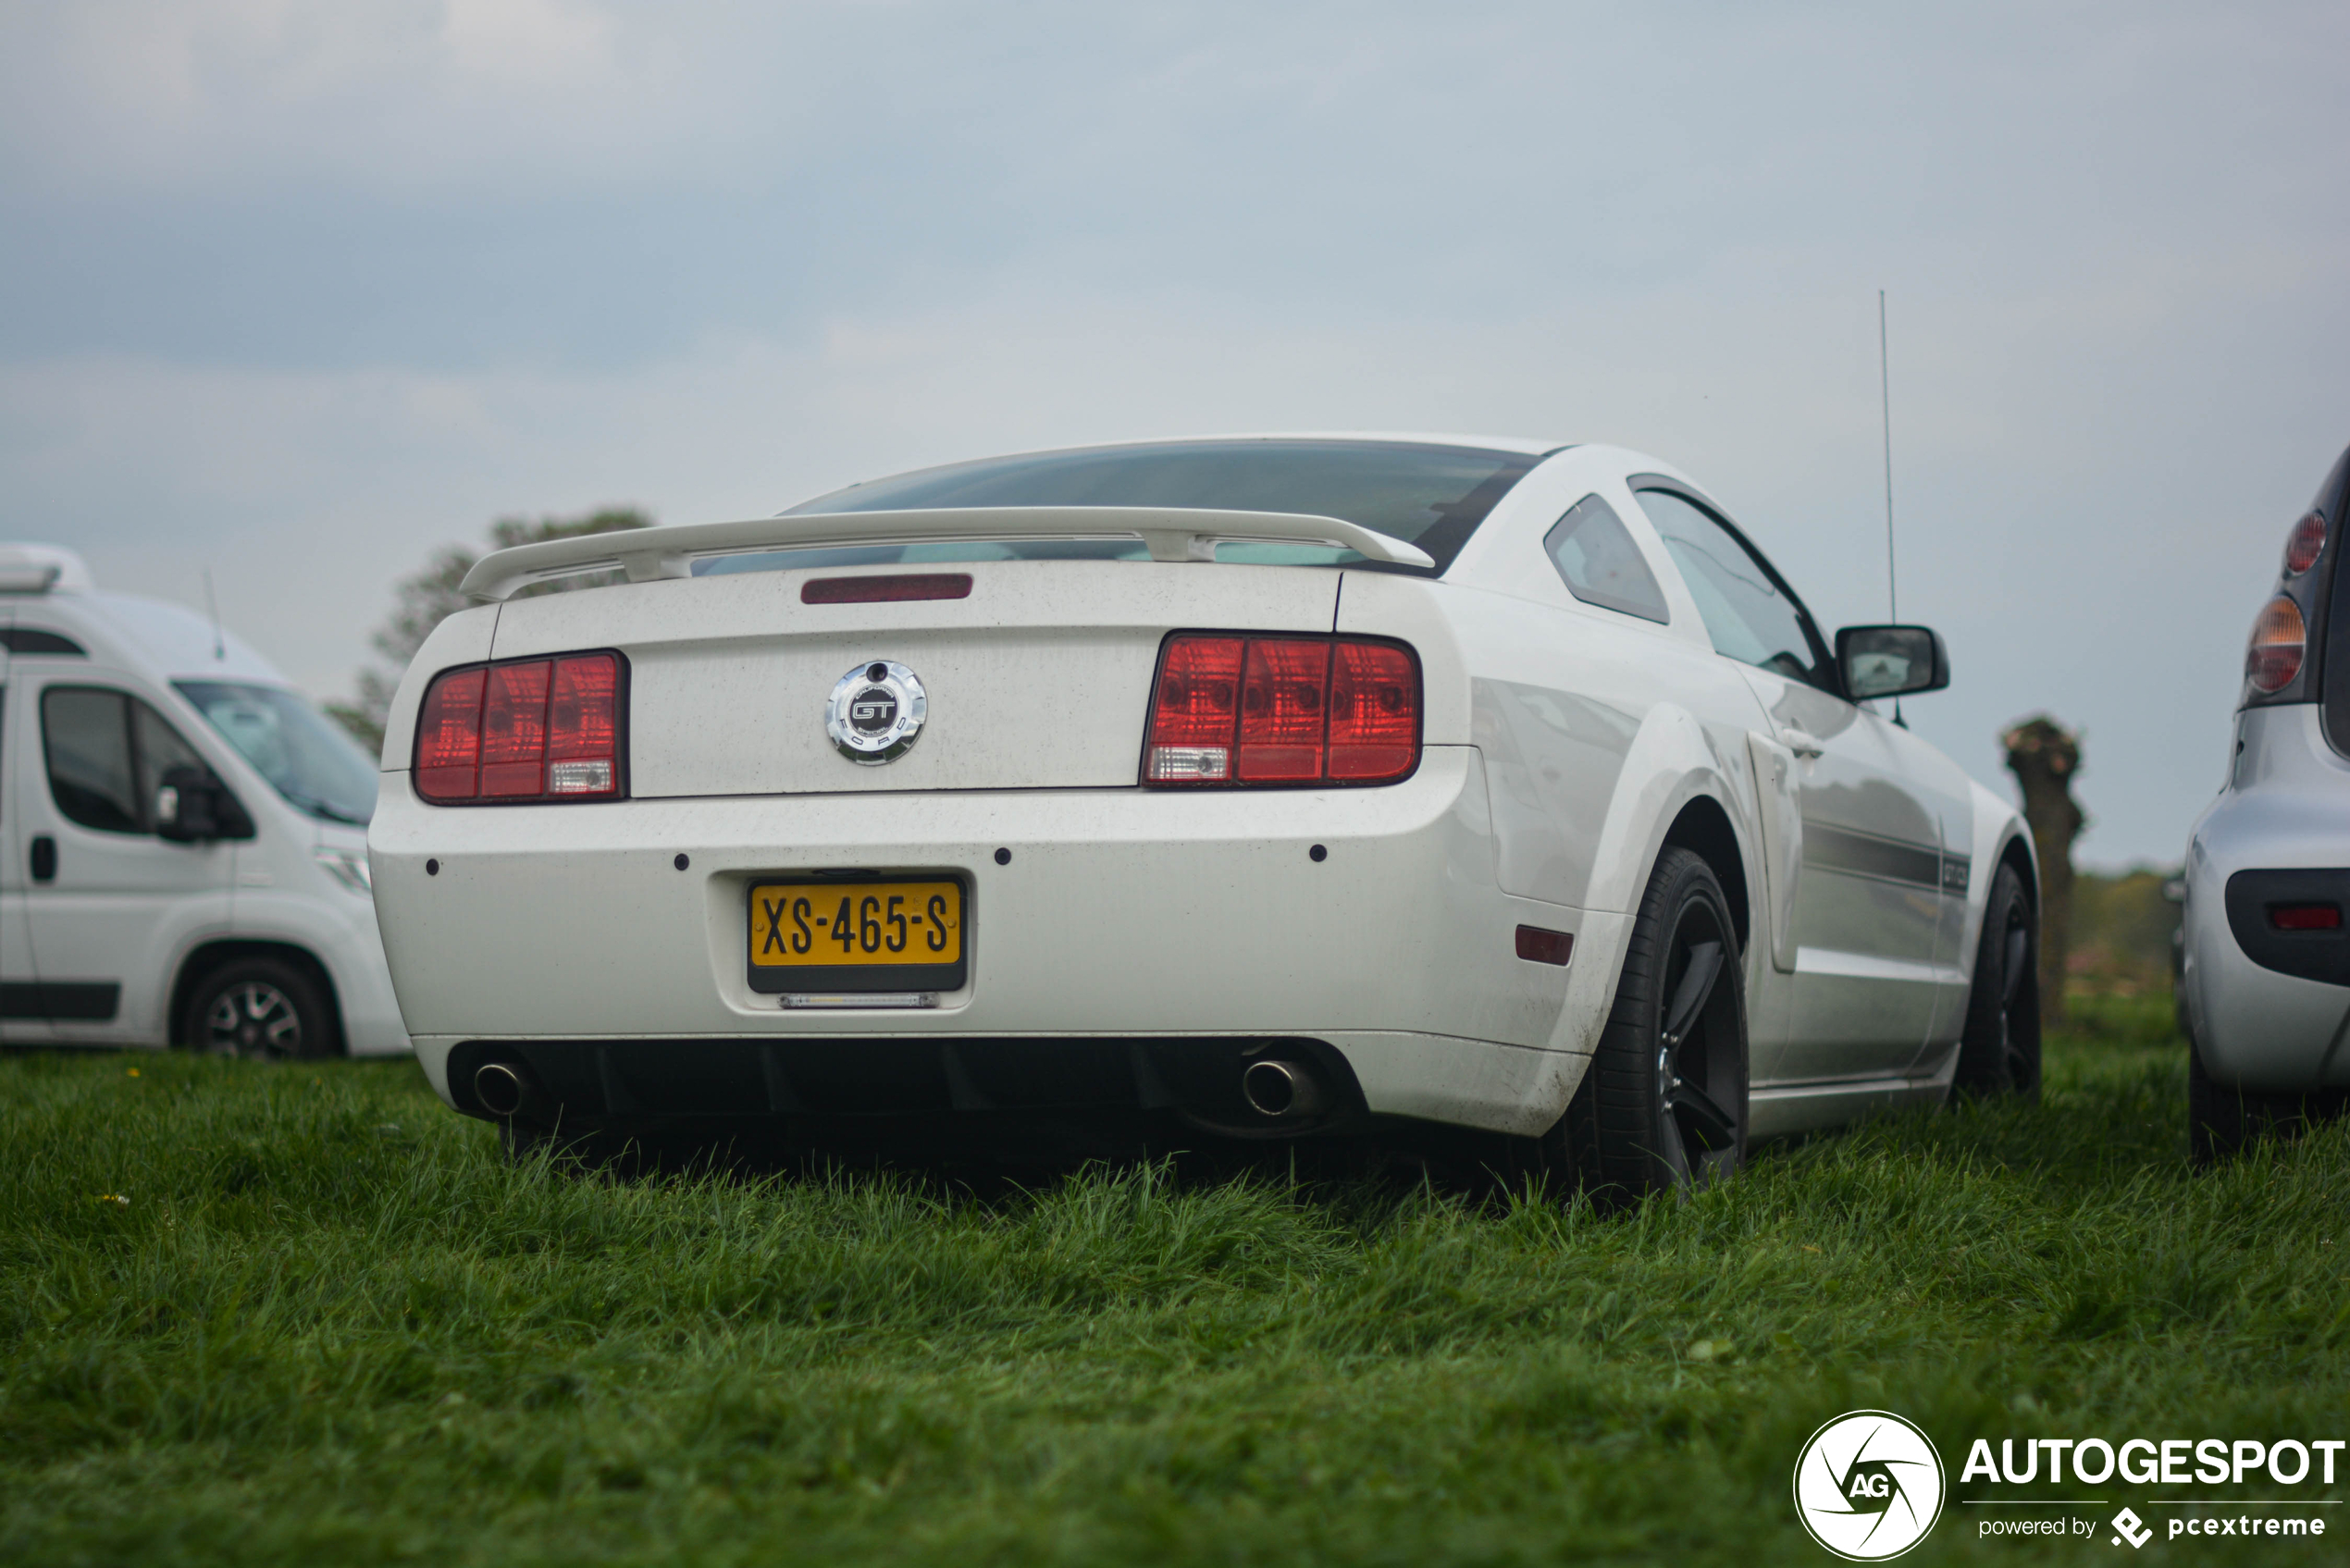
(107, 755)
(1594, 552)
(87, 735)
(1748, 616)
(160, 749)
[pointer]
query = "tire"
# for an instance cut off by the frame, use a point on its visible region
(265, 1009)
(2221, 1121)
(1662, 1106)
(1999, 1048)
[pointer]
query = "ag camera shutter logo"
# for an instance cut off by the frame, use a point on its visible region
(1868, 1486)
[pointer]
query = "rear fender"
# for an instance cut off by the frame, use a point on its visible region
(1670, 764)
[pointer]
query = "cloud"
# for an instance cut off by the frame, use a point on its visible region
(530, 40)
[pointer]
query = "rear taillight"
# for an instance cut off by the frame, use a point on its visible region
(2279, 640)
(2305, 544)
(522, 728)
(1282, 711)
(2305, 917)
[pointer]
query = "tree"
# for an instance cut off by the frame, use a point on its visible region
(2044, 756)
(423, 600)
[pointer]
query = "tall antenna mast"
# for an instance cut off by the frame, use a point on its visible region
(212, 602)
(1885, 393)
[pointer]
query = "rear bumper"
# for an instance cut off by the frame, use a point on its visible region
(2270, 1013)
(1121, 914)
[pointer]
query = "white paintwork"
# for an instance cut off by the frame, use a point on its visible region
(1169, 532)
(2286, 805)
(131, 908)
(1562, 740)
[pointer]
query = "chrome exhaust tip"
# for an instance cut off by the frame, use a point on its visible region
(503, 1088)
(1281, 1090)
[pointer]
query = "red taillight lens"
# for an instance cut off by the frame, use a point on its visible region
(527, 729)
(2279, 640)
(514, 731)
(1282, 711)
(2305, 917)
(1284, 716)
(1375, 711)
(449, 737)
(583, 726)
(1192, 711)
(2302, 545)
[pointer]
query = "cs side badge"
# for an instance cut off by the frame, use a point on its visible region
(876, 713)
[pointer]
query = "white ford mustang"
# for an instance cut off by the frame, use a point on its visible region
(1274, 786)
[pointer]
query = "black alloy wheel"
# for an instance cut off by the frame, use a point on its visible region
(1662, 1106)
(263, 1009)
(2000, 1047)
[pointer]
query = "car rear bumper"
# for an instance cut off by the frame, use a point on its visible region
(1119, 916)
(2269, 1009)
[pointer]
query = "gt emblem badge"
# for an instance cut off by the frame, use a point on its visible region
(875, 712)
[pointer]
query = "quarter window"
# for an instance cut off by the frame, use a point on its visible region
(1748, 613)
(107, 755)
(1601, 564)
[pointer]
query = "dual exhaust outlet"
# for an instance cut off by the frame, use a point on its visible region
(1275, 1088)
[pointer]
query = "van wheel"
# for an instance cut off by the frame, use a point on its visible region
(1999, 1045)
(265, 1009)
(1662, 1106)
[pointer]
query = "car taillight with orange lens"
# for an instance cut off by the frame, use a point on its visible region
(2305, 544)
(521, 729)
(2280, 639)
(1282, 711)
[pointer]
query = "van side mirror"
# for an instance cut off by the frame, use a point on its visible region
(191, 806)
(1891, 660)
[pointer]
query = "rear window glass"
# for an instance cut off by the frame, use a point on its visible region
(1424, 494)
(1594, 552)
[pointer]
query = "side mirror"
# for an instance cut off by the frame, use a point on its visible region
(191, 806)
(1891, 660)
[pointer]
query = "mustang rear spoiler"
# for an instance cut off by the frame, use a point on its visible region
(1169, 532)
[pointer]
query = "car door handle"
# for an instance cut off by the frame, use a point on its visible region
(1802, 743)
(45, 858)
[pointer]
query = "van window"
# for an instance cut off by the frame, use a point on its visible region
(108, 753)
(305, 756)
(87, 735)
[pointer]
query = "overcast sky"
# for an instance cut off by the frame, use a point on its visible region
(300, 292)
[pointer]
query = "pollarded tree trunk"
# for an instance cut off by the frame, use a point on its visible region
(2044, 756)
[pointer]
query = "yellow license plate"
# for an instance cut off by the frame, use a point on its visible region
(855, 924)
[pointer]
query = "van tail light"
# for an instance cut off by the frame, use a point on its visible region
(522, 728)
(2305, 917)
(2305, 544)
(1293, 710)
(2279, 640)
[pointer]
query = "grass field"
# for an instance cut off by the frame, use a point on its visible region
(326, 1323)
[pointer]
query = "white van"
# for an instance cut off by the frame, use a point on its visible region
(183, 837)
